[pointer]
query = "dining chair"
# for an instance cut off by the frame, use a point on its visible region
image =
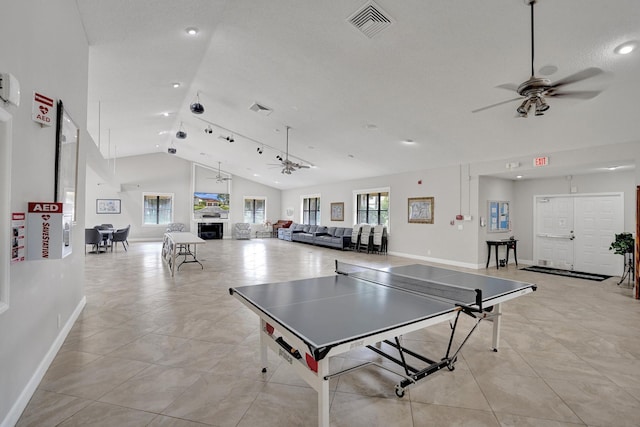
(121, 236)
(92, 237)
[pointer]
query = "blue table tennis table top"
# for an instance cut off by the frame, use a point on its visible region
(331, 310)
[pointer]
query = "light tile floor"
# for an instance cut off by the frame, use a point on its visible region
(151, 350)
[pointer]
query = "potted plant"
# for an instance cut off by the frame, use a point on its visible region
(623, 244)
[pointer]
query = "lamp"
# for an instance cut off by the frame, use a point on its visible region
(541, 106)
(181, 134)
(196, 107)
(523, 109)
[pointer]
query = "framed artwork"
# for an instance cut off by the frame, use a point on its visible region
(421, 210)
(108, 206)
(337, 211)
(66, 163)
(499, 220)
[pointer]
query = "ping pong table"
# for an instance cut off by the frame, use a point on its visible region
(308, 321)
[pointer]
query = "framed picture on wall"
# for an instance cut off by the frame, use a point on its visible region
(107, 206)
(421, 210)
(337, 211)
(499, 220)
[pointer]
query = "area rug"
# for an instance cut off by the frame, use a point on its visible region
(567, 273)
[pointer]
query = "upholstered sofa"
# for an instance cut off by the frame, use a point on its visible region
(332, 237)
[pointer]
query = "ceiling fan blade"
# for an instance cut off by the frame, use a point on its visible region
(509, 86)
(497, 104)
(579, 94)
(580, 75)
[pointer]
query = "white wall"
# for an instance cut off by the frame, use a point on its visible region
(439, 242)
(159, 172)
(495, 189)
(164, 173)
(42, 43)
(606, 182)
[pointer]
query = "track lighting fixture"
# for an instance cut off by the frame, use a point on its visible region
(196, 107)
(230, 139)
(181, 134)
(208, 130)
(172, 150)
(259, 150)
(279, 157)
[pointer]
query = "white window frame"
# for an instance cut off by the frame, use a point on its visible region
(356, 193)
(309, 196)
(156, 193)
(244, 200)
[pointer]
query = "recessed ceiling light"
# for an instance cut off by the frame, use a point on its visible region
(176, 85)
(612, 168)
(409, 142)
(255, 174)
(192, 31)
(165, 114)
(350, 155)
(519, 176)
(163, 132)
(157, 145)
(371, 126)
(626, 48)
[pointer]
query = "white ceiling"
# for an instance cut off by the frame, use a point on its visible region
(419, 79)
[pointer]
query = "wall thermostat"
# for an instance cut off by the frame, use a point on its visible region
(9, 89)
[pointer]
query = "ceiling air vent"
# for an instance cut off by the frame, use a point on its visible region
(370, 19)
(258, 108)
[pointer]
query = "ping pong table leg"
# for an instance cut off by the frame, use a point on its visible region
(497, 320)
(263, 347)
(323, 393)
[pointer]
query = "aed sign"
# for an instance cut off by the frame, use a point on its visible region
(44, 231)
(42, 111)
(540, 161)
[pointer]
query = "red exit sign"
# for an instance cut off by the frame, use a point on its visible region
(540, 161)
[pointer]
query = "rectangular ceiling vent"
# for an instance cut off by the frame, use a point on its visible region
(371, 20)
(259, 108)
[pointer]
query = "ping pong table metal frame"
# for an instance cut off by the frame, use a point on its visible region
(314, 368)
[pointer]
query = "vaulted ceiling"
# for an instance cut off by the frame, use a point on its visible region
(357, 106)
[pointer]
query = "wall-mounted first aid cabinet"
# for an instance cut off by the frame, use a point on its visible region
(47, 235)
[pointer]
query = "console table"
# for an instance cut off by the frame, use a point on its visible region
(508, 243)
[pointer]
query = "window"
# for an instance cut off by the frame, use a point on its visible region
(158, 208)
(372, 207)
(311, 210)
(254, 210)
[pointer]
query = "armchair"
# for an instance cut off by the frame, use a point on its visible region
(241, 230)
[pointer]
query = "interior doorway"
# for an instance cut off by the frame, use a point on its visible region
(574, 232)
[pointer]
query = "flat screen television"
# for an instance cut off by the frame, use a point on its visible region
(210, 205)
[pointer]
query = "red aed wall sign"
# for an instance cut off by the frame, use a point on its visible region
(540, 161)
(43, 109)
(44, 231)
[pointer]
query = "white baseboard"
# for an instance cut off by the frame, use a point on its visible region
(16, 410)
(438, 260)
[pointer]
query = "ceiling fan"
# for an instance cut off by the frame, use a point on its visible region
(288, 166)
(219, 178)
(537, 89)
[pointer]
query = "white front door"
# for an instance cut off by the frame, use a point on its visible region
(554, 232)
(599, 219)
(575, 232)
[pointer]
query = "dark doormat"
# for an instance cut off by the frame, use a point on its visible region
(567, 273)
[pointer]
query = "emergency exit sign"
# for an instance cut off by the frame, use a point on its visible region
(540, 161)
